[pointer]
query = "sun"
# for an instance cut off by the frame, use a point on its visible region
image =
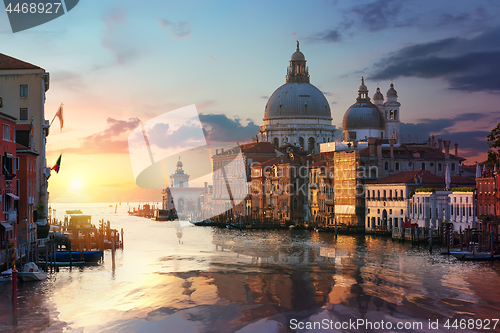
(76, 184)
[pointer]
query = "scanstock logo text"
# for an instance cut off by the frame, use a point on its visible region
(26, 14)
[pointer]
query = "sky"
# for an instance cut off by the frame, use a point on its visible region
(115, 64)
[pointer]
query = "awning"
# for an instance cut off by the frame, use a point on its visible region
(6, 225)
(13, 196)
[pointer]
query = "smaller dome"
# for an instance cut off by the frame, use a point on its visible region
(179, 163)
(362, 87)
(392, 92)
(378, 95)
(298, 56)
(364, 115)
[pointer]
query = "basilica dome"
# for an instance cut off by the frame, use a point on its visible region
(363, 114)
(297, 100)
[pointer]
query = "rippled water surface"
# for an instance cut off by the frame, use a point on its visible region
(175, 277)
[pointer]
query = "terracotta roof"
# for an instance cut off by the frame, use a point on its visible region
(258, 147)
(405, 177)
(7, 62)
(404, 152)
(318, 164)
(408, 177)
(461, 180)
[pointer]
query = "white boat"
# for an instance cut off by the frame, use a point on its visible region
(6, 275)
(31, 272)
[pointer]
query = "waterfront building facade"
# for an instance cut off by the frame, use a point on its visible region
(488, 201)
(23, 87)
(232, 175)
(8, 186)
(279, 189)
(26, 175)
(297, 113)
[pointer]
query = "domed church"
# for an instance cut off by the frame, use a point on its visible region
(365, 119)
(297, 112)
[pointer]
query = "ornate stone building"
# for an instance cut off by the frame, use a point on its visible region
(297, 112)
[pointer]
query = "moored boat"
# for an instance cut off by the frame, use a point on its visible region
(88, 256)
(6, 275)
(31, 272)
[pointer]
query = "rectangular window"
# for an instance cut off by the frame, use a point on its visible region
(23, 91)
(402, 211)
(7, 164)
(6, 132)
(23, 114)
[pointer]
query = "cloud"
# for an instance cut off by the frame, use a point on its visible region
(113, 41)
(161, 136)
(380, 14)
(211, 57)
(330, 36)
(466, 64)
(264, 97)
(179, 29)
(471, 143)
(218, 127)
(113, 140)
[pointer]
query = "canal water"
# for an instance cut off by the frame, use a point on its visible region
(176, 277)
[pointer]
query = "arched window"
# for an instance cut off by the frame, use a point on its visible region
(385, 194)
(276, 142)
(386, 166)
(373, 194)
(395, 114)
(378, 194)
(392, 115)
(397, 165)
(301, 142)
(401, 194)
(390, 194)
(423, 166)
(440, 167)
(452, 166)
(395, 194)
(311, 142)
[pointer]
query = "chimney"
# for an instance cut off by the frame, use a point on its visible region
(429, 142)
(440, 145)
(379, 148)
(216, 151)
(348, 147)
(355, 145)
(447, 149)
(456, 149)
(433, 141)
(206, 185)
(391, 142)
(371, 145)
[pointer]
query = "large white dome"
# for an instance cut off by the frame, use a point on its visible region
(297, 100)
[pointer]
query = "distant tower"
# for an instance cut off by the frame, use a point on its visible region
(179, 178)
(391, 113)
